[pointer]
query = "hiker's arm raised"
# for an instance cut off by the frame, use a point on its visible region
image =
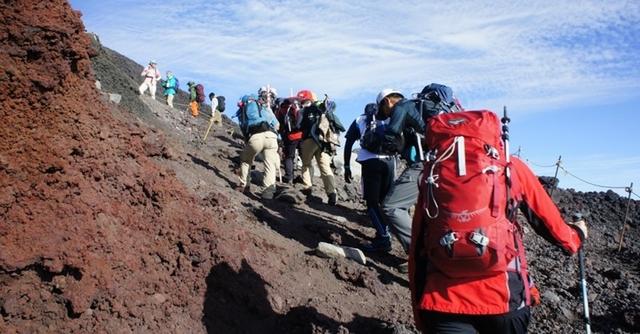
(541, 212)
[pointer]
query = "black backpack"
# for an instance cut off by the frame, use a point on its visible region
(372, 138)
(221, 104)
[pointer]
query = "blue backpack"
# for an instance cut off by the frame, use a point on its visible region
(253, 117)
(177, 85)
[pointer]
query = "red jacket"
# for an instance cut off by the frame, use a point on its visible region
(432, 290)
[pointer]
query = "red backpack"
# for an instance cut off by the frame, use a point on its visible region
(288, 115)
(200, 93)
(463, 197)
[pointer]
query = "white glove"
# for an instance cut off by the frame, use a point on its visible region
(581, 226)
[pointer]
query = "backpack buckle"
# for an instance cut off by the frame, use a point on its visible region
(449, 239)
(479, 239)
(492, 151)
(431, 155)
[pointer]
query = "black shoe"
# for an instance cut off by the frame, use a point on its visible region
(245, 190)
(306, 192)
(333, 199)
(378, 244)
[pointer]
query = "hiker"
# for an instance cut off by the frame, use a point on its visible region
(216, 115)
(405, 125)
(151, 76)
(268, 96)
(288, 114)
(259, 127)
(320, 127)
(170, 88)
(378, 167)
(467, 266)
(196, 96)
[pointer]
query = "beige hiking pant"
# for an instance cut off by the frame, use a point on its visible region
(170, 100)
(151, 85)
(309, 150)
(266, 142)
(217, 117)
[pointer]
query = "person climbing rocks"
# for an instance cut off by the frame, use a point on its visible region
(403, 135)
(378, 166)
(196, 96)
(320, 127)
(170, 88)
(151, 76)
(467, 266)
(259, 127)
(399, 198)
(216, 115)
(288, 114)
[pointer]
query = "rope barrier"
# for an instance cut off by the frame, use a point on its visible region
(539, 165)
(638, 196)
(560, 166)
(590, 183)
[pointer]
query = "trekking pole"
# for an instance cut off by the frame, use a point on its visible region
(419, 138)
(555, 176)
(628, 189)
(505, 137)
(583, 281)
(208, 129)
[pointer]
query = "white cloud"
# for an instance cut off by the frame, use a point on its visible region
(533, 54)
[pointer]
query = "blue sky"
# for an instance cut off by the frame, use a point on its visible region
(568, 71)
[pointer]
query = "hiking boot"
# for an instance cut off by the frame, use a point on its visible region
(269, 192)
(333, 199)
(243, 189)
(378, 244)
(403, 268)
(306, 192)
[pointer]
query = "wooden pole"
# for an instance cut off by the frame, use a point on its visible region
(626, 214)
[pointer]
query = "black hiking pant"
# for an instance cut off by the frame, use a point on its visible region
(515, 322)
(289, 149)
(377, 177)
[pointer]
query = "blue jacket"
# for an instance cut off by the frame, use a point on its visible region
(169, 86)
(399, 135)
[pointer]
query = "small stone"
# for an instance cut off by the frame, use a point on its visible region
(158, 298)
(551, 296)
(168, 153)
(328, 250)
(115, 98)
(568, 313)
(277, 302)
(98, 85)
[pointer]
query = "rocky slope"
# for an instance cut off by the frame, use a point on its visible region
(119, 219)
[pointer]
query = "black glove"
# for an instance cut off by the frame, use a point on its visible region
(347, 174)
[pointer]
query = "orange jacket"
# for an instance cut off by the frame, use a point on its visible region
(433, 291)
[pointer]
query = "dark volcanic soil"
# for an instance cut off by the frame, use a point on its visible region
(118, 219)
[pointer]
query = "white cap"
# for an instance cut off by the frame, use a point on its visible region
(386, 92)
(152, 61)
